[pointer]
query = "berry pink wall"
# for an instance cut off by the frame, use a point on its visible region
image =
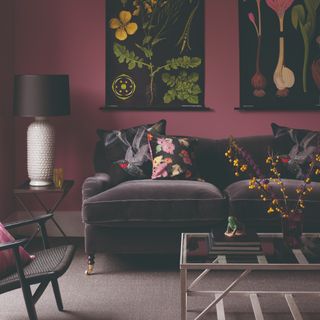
(68, 36)
(6, 122)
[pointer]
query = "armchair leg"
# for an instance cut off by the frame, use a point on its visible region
(29, 302)
(90, 265)
(57, 294)
(27, 294)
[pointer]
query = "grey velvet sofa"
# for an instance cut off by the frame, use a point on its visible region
(146, 216)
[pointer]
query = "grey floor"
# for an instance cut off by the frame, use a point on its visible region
(147, 288)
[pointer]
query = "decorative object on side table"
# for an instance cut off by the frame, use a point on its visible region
(58, 177)
(267, 185)
(41, 96)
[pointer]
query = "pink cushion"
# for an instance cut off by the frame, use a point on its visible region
(7, 260)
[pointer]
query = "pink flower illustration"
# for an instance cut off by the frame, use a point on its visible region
(160, 171)
(168, 146)
(187, 160)
(184, 153)
(252, 18)
(279, 6)
(161, 141)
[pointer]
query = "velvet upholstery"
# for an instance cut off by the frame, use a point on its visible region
(153, 202)
(146, 215)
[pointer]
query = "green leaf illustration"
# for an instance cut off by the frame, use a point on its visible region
(146, 40)
(126, 56)
(306, 23)
(184, 62)
(297, 14)
(147, 52)
(183, 87)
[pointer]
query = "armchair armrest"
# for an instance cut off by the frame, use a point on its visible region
(21, 223)
(12, 244)
(96, 184)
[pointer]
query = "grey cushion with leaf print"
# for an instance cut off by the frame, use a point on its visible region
(296, 148)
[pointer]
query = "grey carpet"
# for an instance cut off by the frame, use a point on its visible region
(147, 288)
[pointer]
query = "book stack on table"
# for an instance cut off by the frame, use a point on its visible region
(247, 244)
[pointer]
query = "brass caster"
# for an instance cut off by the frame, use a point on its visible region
(89, 270)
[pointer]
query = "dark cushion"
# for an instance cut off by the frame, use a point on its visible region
(172, 157)
(296, 147)
(251, 210)
(213, 165)
(130, 146)
(153, 202)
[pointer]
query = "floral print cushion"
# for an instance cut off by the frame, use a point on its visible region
(7, 260)
(172, 157)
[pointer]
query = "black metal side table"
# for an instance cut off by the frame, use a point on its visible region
(25, 190)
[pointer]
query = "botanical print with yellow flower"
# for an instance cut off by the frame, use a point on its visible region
(158, 51)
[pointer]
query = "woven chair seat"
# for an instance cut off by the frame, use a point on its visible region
(48, 264)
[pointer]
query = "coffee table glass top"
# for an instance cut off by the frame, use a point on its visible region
(196, 251)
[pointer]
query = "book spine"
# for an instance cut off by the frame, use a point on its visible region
(222, 252)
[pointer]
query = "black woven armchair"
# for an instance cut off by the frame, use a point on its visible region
(48, 265)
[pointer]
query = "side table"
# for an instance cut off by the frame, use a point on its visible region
(25, 190)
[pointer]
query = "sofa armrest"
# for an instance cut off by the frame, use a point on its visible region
(96, 184)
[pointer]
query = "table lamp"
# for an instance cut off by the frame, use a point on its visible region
(41, 96)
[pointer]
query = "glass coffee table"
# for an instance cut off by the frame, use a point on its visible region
(275, 255)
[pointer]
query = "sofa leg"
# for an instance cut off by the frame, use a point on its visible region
(90, 265)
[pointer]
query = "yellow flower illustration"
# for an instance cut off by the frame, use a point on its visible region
(123, 26)
(136, 11)
(148, 6)
(157, 160)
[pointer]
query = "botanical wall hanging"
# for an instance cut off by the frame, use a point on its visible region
(155, 54)
(279, 54)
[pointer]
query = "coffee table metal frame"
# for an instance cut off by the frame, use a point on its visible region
(220, 263)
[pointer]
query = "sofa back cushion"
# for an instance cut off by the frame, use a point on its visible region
(213, 165)
(296, 147)
(127, 145)
(210, 157)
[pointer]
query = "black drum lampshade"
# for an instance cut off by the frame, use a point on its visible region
(41, 95)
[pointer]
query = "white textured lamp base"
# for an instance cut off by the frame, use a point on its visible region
(40, 141)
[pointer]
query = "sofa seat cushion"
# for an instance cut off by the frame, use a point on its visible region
(250, 209)
(160, 202)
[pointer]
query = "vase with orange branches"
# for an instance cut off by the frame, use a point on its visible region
(267, 184)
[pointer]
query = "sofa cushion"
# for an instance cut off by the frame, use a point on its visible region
(149, 201)
(297, 147)
(172, 157)
(131, 146)
(7, 258)
(251, 210)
